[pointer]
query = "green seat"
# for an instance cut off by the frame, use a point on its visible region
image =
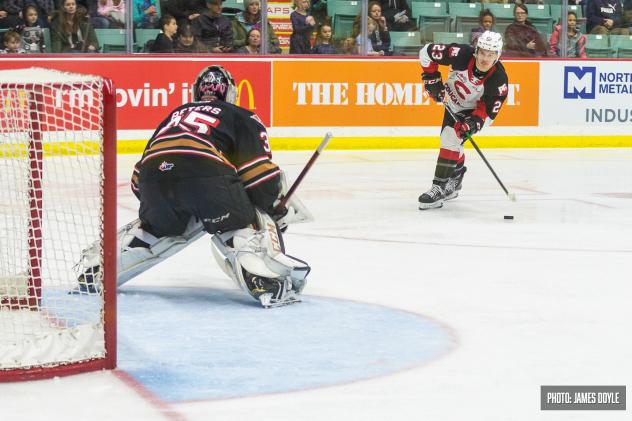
(111, 40)
(406, 43)
(343, 14)
(503, 11)
(621, 45)
(556, 11)
(344, 7)
(465, 15)
(232, 7)
(47, 41)
(431, 17)
(597, 46)
(144, 35)
(451, 38)
(540, 16)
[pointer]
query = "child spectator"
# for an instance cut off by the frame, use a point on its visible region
(146, 14)
(30, 31)
(486, 22)
(254, 43)
(371, 28)
(164, 42)
(324, 44)
(11, 41)
(113, 11)
(250, 18)
(214, 29)
(71, 30)
(605, 17)
(46, 8)
(521, 37)
(9, 13)
(302, 28)
(187, 43)
(575, 44)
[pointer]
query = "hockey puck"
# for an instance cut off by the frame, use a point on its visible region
(508, 216)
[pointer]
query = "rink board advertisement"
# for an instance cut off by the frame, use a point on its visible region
(380, 93)
(368, 103)
(590, 93)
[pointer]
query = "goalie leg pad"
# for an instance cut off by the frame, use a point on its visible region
(132, 261)
(257, 264)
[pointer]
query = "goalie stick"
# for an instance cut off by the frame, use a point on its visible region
(511, 196)
(281, 205)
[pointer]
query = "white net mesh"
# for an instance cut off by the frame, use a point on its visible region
(51, 207)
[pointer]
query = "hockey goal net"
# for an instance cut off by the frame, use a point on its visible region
(57, 196)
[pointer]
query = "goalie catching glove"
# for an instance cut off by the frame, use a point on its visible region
(471, 124)
(434, 85)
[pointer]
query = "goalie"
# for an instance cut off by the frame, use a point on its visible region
(207, 168)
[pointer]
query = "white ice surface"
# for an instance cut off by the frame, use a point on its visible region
(540, 300)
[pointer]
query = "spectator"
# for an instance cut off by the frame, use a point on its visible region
(164, 42)
(11, 42)
(380, 39)
(30, 31)
(575, 44)
(45, 9)
(71, 30)
(250, 18)
(147, 14)
(213, 29)
(184, 10)
(324, 43)
(627, 14)
(605, 17)
(521, 37)
(398, 15)
(302, 28)
(187, 42)
(9, 13)
(486, 22)
(254, 43)
(371, 27)
(113, 11)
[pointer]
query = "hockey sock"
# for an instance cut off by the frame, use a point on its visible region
(446, 164)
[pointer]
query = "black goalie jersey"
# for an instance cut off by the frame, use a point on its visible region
(484, 94)
(205, 139)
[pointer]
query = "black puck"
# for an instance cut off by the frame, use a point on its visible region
(508, 216)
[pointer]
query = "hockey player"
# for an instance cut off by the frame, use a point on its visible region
(476, 88)
(207, 168)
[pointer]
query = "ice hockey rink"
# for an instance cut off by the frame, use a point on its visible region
(446, 314)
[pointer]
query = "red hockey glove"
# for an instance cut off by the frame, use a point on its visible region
(434, 85)
(470, 124)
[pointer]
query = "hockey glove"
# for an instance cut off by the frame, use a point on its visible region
(471, 124)
(434, 85)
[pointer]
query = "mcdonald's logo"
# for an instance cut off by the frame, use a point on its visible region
(245, 83)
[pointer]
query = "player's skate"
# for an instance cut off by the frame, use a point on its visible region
(256, 262)
(453, 186)
(433, 198)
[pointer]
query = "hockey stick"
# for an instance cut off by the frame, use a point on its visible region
(511, 196)
(281, 205)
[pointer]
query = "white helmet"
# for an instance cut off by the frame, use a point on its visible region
(214, 82)
(491, 41)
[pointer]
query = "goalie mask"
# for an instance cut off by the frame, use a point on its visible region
(214, 82)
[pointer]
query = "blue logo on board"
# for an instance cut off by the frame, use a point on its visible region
(579, 82)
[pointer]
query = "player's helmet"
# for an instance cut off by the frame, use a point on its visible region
(214, 82)
(491, 41)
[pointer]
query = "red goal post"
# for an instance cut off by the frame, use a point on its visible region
(57, 196)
